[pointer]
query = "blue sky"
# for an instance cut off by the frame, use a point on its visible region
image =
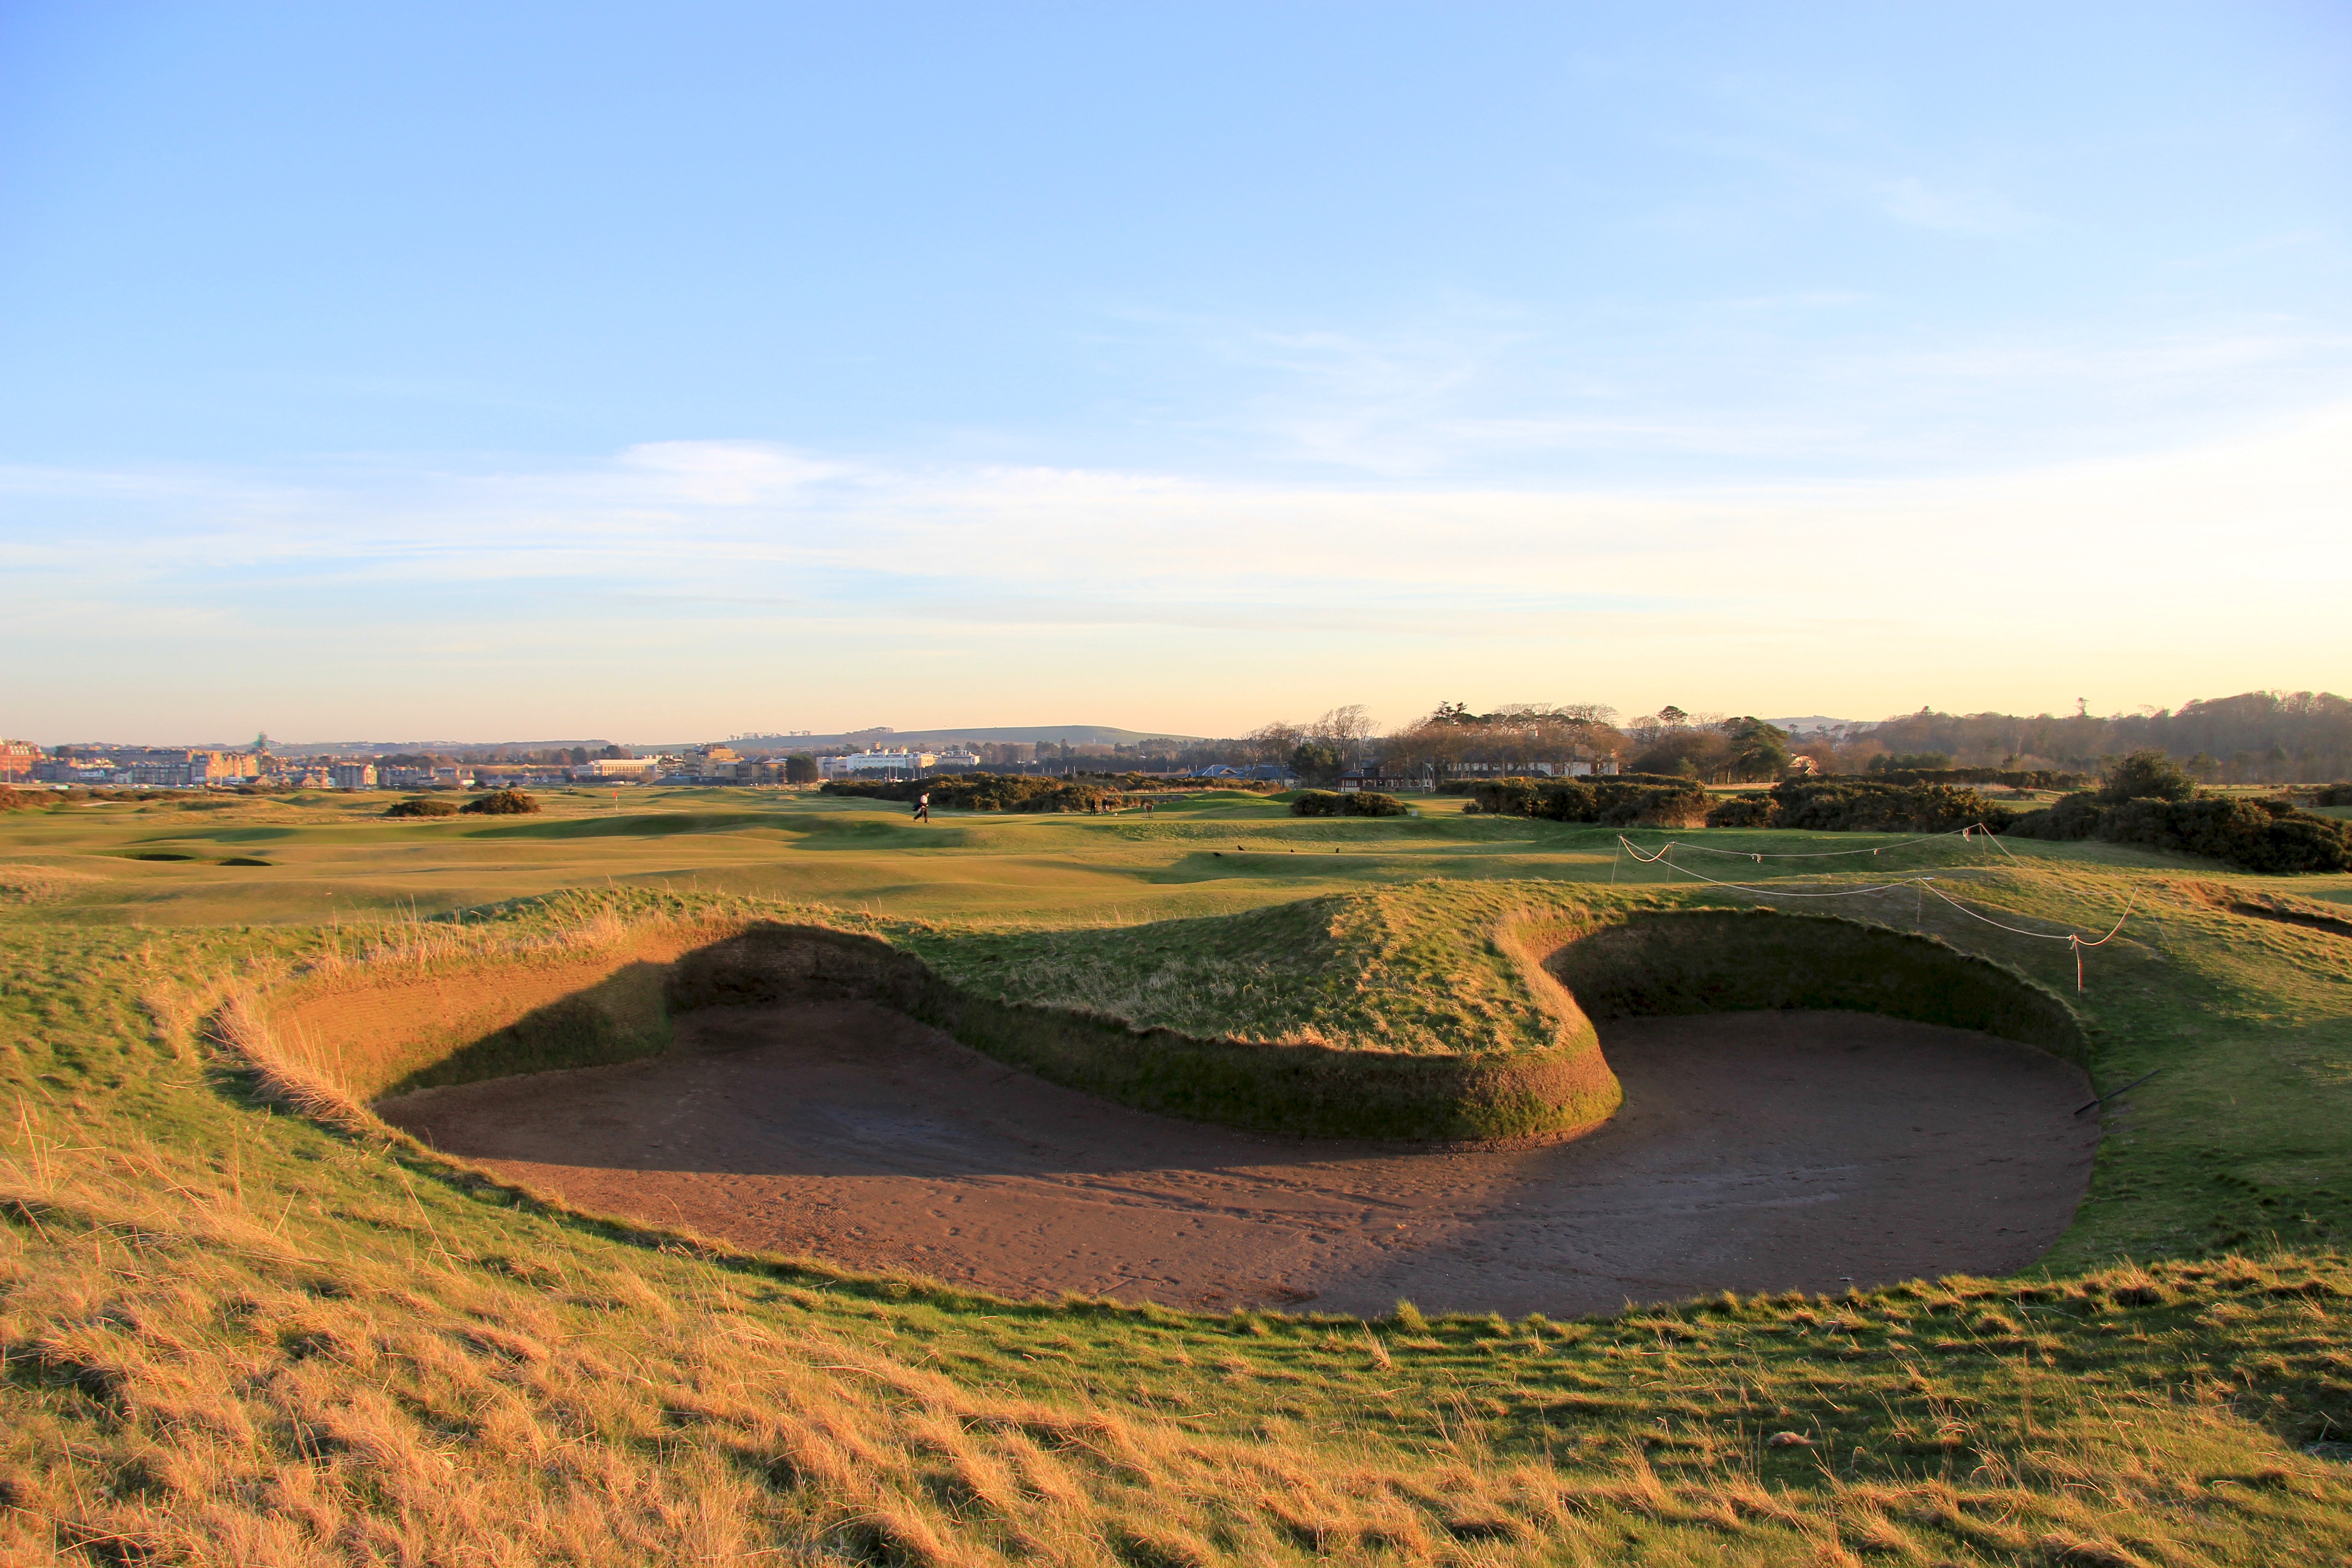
(662, 372)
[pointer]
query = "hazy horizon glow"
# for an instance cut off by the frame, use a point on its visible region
(650, 375)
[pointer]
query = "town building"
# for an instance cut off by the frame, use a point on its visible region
(17, 760)
(876, 766)
(620, 769)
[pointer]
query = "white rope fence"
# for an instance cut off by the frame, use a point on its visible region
(1922, 885)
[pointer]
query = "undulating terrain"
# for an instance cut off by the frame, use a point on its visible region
(245, 1320)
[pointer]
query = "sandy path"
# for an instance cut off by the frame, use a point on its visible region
(1756, 1151)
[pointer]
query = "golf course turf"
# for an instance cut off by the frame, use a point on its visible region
(244, 1320)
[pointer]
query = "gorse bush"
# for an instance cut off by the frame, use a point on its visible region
(1742, 811)
(2331, 794)
(1615, 802)
(2015, 778)
(2145, 799)
(421, 807)
(985, 792)
(1860, 805)
(499, 803)
(1334, 803)
(2263, 835)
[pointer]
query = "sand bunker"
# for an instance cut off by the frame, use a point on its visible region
(1756, 1151)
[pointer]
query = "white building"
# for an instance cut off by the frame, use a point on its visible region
(876, 766)
(956, 761)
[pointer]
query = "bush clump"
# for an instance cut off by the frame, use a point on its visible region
(985, 792)
(1615, 802)
(1857, 806)
(500, 802)
(2036, 778)
(421, 807)
(1742, 811)
(2331, 794)
(1354, 803)
(2145, 799)
(2265, 835)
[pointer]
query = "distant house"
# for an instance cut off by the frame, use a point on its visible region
(1264, 773)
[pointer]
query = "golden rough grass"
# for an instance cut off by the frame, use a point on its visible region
(228, 1335)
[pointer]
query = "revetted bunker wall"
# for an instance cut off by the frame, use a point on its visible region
(1728, 961)
(1289, 1088)
(400, 1034)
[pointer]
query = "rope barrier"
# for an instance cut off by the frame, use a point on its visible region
(2074, 941)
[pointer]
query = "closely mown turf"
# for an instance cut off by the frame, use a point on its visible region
(231, 1333)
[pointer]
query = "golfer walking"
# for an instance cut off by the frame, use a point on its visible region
(923, 806)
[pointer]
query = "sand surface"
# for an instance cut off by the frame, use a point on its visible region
(1756, 1151)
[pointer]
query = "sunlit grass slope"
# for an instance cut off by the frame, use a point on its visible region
(234, 1335)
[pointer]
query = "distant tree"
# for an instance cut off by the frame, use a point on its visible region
(577, 756)
(1759, 750)
(2147, 774)
(1317, 762)
(801, 768)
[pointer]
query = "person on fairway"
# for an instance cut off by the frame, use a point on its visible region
(923, 806)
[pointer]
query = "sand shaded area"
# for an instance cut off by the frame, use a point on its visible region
(1756, 1151)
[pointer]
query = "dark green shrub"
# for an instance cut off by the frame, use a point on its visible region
(1615, 802)
(984, 792)
(500, 802)
(2038, 778)
(1742, 811)
(2331, 794)
(422, 809)
(1334, 803)
(1869, 806)
(2264, 835)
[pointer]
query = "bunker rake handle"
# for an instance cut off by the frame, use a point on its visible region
(2113, 1092)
